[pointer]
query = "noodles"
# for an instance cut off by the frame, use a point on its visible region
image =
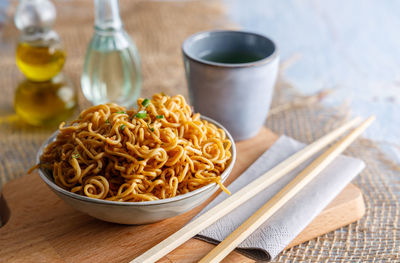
(159, 151)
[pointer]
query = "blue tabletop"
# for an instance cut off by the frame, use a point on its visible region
(352, 47)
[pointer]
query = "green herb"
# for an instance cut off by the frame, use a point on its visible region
(76, 155)
(140, 159)
(141, 114)
(151, 129)
(160, 117)
(123, 112)
(122, 127)
(107, 121)
(146, 102)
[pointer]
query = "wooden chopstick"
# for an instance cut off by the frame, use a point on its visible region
(283, 196)
(241, 196)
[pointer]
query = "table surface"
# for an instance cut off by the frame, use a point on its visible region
(330, 54)
(352, 47)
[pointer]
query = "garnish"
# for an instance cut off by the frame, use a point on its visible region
(76, 155)
(146, 102)
(141, 114)
(150, 128)
(122, 127)
(121, 112)
(107, 121)
(160, 117)
(140, 159)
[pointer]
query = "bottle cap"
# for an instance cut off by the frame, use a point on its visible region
(33, 16)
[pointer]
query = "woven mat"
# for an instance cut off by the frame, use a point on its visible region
(374, 238)
(158, 28)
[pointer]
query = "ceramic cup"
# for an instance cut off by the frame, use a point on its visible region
(236, 94)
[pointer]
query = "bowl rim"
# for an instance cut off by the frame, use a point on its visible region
(50, 182)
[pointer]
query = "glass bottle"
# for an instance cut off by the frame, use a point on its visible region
(112, 66)
(46, 97)
(40, 55)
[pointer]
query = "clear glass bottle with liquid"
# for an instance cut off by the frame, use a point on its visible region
(112, 66)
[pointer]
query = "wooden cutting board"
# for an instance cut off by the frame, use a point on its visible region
(42, 228)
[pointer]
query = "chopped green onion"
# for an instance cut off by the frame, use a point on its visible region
(122, 127)
(160, 117)
(146, 102)
(76, 155)
(141, 114)
(107, 121)
(150, 128)
(123, 112)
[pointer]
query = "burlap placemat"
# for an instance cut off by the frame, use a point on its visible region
(158, 28)
(374, 238)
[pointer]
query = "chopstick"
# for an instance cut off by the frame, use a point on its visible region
(241, 196)
(283, 196)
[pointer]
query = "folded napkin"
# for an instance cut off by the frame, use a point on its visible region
(277, 232)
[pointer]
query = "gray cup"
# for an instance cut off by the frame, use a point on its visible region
(231, 77)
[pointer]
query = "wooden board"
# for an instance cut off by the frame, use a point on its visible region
(42, 228)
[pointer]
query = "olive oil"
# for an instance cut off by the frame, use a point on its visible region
(45, 103)
(233, 57)
(39, 63)
(46, 97)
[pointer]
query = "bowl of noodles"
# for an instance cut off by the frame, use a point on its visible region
(137, 166)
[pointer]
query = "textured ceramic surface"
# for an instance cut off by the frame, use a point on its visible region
(136, 212)
(236, 95)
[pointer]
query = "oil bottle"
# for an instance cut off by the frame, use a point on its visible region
(46, 96)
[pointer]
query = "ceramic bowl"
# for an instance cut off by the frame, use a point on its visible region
(133, 213)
